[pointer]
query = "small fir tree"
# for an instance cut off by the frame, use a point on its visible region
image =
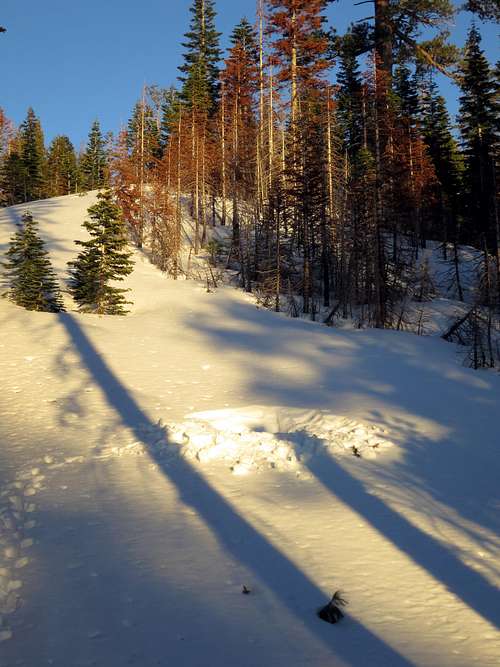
(350, 108)
(143, 136)
(94, 162)
(104, 259)
(33, 157)
(169, 115)
(200, 71)
(12, 178)
(33, 284)
(448, 164)
(479, 127)
(61, 167)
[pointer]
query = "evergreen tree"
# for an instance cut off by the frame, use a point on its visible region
(33, 284)
(61, 167)
(32, 153)
(406, 94)
(169, 114)
(93, 165)
(487, 10)
(200, 71)
(244, 37)
(240, 87)
(350, 112)
(447, 160)
(104, 259)
(6, 132)
(143, 136)
(12, 177)
(479, 122)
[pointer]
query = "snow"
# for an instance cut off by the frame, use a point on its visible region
(153, 465)
(257, 438)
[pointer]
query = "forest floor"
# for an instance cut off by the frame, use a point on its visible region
(152, 465)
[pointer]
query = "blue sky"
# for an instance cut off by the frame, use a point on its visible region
(86, 59)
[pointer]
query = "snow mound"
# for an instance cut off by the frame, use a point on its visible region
(259, 437)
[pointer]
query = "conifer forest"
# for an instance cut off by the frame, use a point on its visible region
(331, 157)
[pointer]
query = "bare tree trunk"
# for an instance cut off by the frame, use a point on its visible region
(178, 211)
(197, 195)
(223, 151)
(203, 186)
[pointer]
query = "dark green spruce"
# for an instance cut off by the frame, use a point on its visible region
(33, 158)
(94, 162)
(200, 71)
(32, 281)
(61, 167)
(104, 259)
(479, 121)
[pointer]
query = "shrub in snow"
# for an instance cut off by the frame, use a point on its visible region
(331, 612)
(104, 259)
(32, 281)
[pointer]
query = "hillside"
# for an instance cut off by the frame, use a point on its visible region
(151, 465)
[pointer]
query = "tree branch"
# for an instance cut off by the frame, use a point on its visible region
(427, 56)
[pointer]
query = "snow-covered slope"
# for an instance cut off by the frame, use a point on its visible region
(128, 526)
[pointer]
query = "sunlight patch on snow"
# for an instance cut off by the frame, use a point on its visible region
(259, 438)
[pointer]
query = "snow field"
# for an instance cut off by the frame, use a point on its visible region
(140, 559)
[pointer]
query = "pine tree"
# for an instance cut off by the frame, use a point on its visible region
(6, 132)
(12, 176)
(32, 153)
(244, 36)
(33, 284)
(93, 165)
(300, 45)
(200, 71)
(479, 121)
(350, 94)
(61, 167)
(104, 259)
(447, 160)
(143, 135)
(300, 50)
(487, 10)
(240, 87)
(11, 168)
(169, 113)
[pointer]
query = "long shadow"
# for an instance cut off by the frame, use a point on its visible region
(295, 591)
(362, 373)
(470, 586)
(431, 394)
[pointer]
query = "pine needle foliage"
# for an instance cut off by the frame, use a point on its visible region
(93, 162)
(103, 260)
(33, 284)
(200, 71)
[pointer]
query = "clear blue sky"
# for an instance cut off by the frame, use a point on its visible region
(86, 59)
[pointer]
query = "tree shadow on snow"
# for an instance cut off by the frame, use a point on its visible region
(91, 602)
(422, 392)
(391, 379)
(351, 642)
